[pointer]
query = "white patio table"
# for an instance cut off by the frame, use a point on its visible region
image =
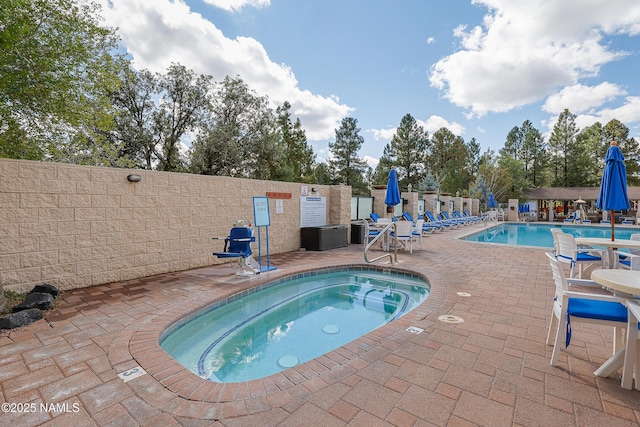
(626, 283)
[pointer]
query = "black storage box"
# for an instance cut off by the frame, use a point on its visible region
(323, 237)
(357, 233)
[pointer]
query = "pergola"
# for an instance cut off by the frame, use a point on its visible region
(554, 197)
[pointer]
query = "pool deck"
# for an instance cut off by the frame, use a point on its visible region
(491, 370)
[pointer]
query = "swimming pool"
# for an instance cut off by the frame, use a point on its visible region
(290, 321)
(536, 234)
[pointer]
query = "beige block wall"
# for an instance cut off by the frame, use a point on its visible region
(77, 226)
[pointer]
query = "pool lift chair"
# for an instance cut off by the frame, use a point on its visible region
(237, 247)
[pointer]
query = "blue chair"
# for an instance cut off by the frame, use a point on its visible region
(426, 227)
(444, 224)
(237, 247)
(374, 216)
(583, 307)
(628, 260)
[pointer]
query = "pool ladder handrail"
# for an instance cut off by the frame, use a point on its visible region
(393, 259)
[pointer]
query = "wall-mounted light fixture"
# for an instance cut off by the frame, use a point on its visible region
(513, 208)
(442, 202)
(134, 178)
(464, 203)
(314, 190)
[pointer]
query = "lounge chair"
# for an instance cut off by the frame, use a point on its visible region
(426, 227)
(472, 219)
(569, 305)
(374, 216)
(431, 220)
(237, 247)
(468, 214)
(446, 218)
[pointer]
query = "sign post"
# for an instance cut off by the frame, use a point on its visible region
(261, 218)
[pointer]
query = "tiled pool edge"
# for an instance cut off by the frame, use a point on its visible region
(172, 387)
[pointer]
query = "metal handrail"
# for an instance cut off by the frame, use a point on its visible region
(392, 259)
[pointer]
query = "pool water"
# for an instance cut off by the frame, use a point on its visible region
(288, 323)
(528, 234)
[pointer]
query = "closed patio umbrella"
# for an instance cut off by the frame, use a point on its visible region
(392, 197)
(613, 189)
(492, 201)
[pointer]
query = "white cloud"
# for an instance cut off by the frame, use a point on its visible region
(431, 125)
(525, 51)
(435, 123)
(236, 5)
(579, 98)
(383, 134)
(371, 161)
(431, 40)
(160, 32)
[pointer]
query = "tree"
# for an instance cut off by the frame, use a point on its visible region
(562, 143)
(298, 154)
(615, 130)
(57, 67)
(345, 165)
(241, 138)
(448, 161)
(408, 151)
(134, 130)
(183, 107)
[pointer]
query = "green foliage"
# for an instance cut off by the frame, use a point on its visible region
(56, 62)
(241, 137)
(408, 151)
(345, 165)
(298, 154)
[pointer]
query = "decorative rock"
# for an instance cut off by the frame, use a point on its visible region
(21, 318)
(46, 288)
(39, 300)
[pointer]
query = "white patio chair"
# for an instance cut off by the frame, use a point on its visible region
(631, 366)
(417, 231)
(554, 232)
(369, 233)
(569, 253)
(628, 260)
(403, 233)
(571, 306)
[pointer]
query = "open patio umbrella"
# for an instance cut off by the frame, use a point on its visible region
(613, 190)
(392, 197)
(492, 201)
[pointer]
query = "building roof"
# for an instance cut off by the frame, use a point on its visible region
(573, 193)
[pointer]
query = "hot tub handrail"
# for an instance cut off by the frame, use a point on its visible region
(392, 258)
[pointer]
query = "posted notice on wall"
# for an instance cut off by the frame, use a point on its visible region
(313, 211)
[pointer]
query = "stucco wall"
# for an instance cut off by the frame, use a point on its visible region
(76, 226)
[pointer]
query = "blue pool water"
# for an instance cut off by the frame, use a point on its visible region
(290, 322)
(528, 234)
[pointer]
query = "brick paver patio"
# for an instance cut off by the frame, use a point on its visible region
(491, 370)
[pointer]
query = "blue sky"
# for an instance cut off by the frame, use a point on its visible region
(478, 67)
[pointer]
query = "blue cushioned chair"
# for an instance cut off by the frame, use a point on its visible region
(574, 306)
(238, 248)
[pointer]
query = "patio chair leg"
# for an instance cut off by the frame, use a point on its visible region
(552, 327)
(560, 334)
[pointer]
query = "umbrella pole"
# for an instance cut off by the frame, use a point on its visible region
(613, 222)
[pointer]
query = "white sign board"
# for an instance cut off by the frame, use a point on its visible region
(313, 211)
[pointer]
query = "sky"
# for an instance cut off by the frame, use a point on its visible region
(477, 67)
